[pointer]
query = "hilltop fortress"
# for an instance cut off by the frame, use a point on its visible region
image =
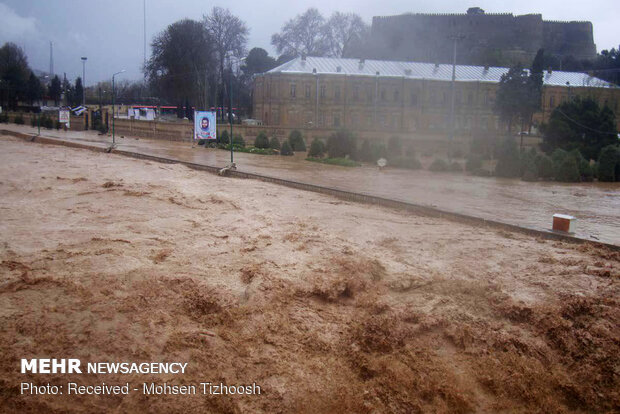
(484, 39)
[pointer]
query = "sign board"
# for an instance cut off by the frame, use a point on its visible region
(64, 117)
(204, 125)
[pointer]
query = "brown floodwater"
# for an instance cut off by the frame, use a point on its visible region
(596, 205)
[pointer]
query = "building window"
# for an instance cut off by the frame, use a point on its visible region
(293, 90)
(470, 98)
(382, 94)
(355, 120)
(336, 120)
(308, 91)
(484, 123)
(356, 93)
(323, 91)
(551, 101)
(396, 96)
(445, 98)
(396, 122)
(369, 95)
(322, 118)
(336, 93)
(414, 99)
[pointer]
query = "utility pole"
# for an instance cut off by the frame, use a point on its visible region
(455, 39)
(84, 80)
(230, 117)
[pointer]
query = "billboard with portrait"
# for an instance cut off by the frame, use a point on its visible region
(204, 125)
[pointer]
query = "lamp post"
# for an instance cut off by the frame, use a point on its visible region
(113, 102)
(84, 80)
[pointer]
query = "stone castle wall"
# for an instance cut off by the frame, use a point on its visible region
(487, 39)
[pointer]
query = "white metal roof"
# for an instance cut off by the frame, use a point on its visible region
(430, 71)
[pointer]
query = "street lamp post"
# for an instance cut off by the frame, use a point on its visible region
(113, 102)
(84, 80)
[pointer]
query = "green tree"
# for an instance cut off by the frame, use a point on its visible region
(55, 90)
(261, 140)
(317, 148)
(341, 144)
(508, 160)
(568, 170)
(181, 65)
(257, 61)
(286, 149)
(14, 72)
(609, 163)
(34, 90)
(79, 91)
(274, 143)
(544, 167)
(296, 140)
(580, 124)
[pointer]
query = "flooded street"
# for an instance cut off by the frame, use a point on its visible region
(596, 205)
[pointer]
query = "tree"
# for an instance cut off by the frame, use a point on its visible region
(609, 164)
(303, 34)
(261, 140)
(341, 144)
(286, 149)
(14, 72)
(78, 91)
(257, 61)
(508, 162)
(580, 124)
(274, 143)
(518, 96)
(344, 34)
(55, 90)
(34, 90)
(229, 35)
(181, 63)
(317, 148)
(296, 140)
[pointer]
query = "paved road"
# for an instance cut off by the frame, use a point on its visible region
(596, 205)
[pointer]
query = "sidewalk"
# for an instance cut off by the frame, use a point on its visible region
(530, 205)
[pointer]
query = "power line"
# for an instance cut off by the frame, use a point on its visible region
(584, 126)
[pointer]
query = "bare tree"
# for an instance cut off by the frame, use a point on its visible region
(229, 35)
(344, 34)
(304, 34)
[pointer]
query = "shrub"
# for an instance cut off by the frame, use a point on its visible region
(365, 152)
(58, 125)
(47, 122)
(529, 170)
(558, 156)
(201, 141)
(608, 163)
(378, 150)
(568, 170)
(274, 143)
(4, 118)
(586, 171)
(395, 147)
(286, 149)
(343, 162)
(473, 163)
(238, 140)
(19, 119)
(341, 144)
(455, 167)
(508, 160)
(438, 165)
(296, 141)
(33, 121)
(544, 167)
(224, 137)
(317, 148)
(411, 163)
(261, 140)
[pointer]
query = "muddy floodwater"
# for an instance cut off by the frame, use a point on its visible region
(596, 205)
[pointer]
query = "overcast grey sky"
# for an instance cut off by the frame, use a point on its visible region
(114, 28)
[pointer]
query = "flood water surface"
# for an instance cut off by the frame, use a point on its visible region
(596, 205)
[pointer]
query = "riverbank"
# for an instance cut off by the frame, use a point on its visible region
(327, 305)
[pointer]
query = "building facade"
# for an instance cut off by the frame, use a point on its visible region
(405, 98)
